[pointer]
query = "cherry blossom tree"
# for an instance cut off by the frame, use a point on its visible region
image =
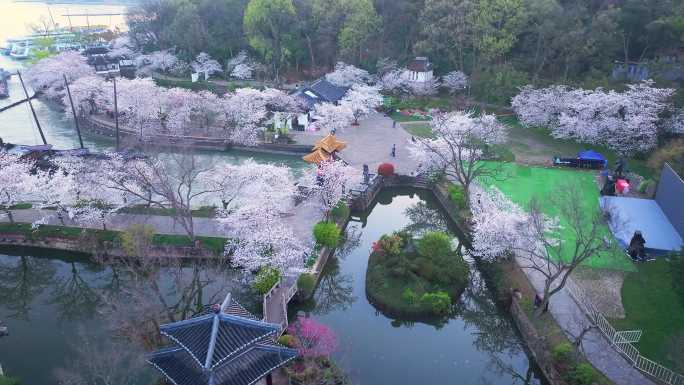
(627, 122)
(393, 82)
(332, 117)
(239, 66)
(266, 186)
(455, 81)
(169, 181)
(47, 75)
(122, 46)
(158, 61)
(17, 183)
(536, 240)
(426, 88)
(313, 339)
(347, 75)
(496, 223)
(140, 104)
(362, 100)
(331, 182)
(254, 198)
(204, 64)
(462, 142)
(90, 94)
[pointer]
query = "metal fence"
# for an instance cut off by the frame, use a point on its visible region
(623, 340)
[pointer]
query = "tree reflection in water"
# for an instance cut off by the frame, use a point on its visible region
(23, 280)
(73, 295)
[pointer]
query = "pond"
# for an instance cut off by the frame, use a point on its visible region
(478, 345)
(70, 316)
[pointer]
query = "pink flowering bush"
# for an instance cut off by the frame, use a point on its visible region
(313, 338)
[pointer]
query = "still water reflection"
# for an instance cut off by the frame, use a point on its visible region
(70, 317)
(477, 345)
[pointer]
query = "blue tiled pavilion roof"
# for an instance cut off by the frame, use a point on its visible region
(243, 369)
(227, 346)
(234, 335)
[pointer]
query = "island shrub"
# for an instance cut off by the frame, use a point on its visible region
(457, 196)
(327, 234)
(386, 169)
(340, 211)
(410, 296)
(306, 283)
(416, 279)
(265, 279)
(438, 303)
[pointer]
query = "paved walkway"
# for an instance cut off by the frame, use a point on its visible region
(596, 347)
(301, 220)
(370, 143)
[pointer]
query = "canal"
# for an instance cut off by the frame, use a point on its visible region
(477, 345)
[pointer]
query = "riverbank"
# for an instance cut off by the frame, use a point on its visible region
(107, 243)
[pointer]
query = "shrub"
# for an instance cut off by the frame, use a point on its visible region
(672, 153)
(563, 352)
(409, 296)
(439, 303)
(644, 186)
(287, 340)
(390, 244)
(583, 374)
(306, 284)
(434, 244)
(386, 169)
(340, 211)
(327, 234)
(457, 196)
(265, 279)
(137, 239)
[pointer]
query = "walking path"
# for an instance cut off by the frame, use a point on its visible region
(301, 221)
(370, 143)
(596, 347)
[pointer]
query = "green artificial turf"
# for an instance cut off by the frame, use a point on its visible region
(652, 305)
(522, 183)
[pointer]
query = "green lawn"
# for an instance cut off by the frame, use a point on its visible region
(521, 183)
(652, 306)
(419, 129)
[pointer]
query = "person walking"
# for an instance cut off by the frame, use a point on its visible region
(394, 151)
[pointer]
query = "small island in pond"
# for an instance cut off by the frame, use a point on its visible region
(415, 278)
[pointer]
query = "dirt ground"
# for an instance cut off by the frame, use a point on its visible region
(604, 287)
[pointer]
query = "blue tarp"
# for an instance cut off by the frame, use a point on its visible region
(592, 155)
(628, 215)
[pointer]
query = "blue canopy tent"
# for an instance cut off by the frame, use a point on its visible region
(584, 159)
(591, 156)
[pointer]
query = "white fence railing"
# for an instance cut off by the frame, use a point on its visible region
(623, 340)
